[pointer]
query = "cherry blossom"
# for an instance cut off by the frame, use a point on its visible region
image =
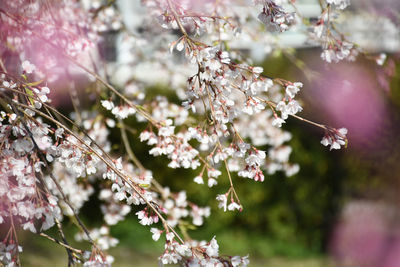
(28, 67)
(341, 4)
(335, 138)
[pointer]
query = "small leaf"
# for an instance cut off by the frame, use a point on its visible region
(35, 83)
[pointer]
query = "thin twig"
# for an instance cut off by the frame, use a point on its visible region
(62, 243)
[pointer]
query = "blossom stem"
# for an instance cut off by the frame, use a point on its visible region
(176, 16)
(272, 105)
(62, 243)
(133, 157)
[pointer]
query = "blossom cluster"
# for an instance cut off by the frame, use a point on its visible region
(274, 16)
(27, 199)
(335, 46)
(198, 254)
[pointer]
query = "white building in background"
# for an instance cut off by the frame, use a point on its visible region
(375, 33)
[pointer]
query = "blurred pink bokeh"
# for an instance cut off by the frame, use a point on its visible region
(347, 96)
(367, 235)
